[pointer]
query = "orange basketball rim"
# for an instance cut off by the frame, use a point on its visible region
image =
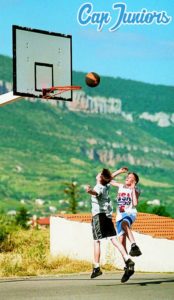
(48, 93)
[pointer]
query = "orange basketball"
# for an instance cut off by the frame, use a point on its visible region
(92, 79)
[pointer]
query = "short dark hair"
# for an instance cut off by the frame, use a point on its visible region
(106, 175)
(135, 175)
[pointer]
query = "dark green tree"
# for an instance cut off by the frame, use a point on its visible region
(160, 211)
(22, 218)
(72, 192)
(7, 227)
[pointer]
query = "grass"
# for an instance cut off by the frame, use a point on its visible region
(29, 256)
(151, 183)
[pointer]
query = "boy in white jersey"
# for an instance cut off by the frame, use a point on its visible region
(102, 225)
(127, 200)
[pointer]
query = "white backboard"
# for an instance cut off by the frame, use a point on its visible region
(41, 59)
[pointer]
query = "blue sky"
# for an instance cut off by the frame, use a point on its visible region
(138, 52)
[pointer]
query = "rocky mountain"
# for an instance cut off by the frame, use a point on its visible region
(45, 144)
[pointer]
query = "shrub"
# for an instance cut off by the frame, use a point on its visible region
(7, 227)
(22, 218)
(159, 210)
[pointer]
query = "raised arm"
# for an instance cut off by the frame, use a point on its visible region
(116, 173)
(135, 195)
(120, 171)
(90, 191)
(115, 183)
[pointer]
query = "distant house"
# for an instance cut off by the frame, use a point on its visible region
(43, 222)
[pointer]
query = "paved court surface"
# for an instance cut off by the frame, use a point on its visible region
(149, 286)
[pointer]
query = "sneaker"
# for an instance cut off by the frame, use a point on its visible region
(96, 272)
(128, 270)
(135, 251)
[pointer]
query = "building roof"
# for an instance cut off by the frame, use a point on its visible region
(43, 221)
(156, 226)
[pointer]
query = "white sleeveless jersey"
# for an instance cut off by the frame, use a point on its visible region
(124, 202)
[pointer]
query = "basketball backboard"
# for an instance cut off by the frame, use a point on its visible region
(41, 60)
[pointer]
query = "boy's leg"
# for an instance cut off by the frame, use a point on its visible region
(122, 240)
(98, 222)
(128, 231)
(96, 253)
(96, 270)
(120, 247)
(128, 270)
(129, 264)
(135, 251)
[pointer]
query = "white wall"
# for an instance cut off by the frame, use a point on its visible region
(74, 239)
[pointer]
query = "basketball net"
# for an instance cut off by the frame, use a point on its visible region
(50, 93)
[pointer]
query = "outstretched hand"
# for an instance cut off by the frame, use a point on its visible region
(123, 170)
(120, 171)
(88, 188)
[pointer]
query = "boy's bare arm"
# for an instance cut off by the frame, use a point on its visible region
(135, 196)
(120, 171)
(90, 191)
(115, 183)
(116, 173)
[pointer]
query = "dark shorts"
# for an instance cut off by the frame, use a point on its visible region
(102, 227)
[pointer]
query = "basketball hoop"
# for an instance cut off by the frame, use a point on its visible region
(50, 93)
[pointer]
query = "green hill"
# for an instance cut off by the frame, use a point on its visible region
(43, 146)
(136, 96)
(5, 68)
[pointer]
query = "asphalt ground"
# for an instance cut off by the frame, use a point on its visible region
(149, 286)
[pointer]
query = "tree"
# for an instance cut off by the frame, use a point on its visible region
(72, 192)
(7, 227)
(160, 211)
(22, 218)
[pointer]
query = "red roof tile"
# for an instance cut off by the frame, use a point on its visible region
(43, 221)
(156, 226)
